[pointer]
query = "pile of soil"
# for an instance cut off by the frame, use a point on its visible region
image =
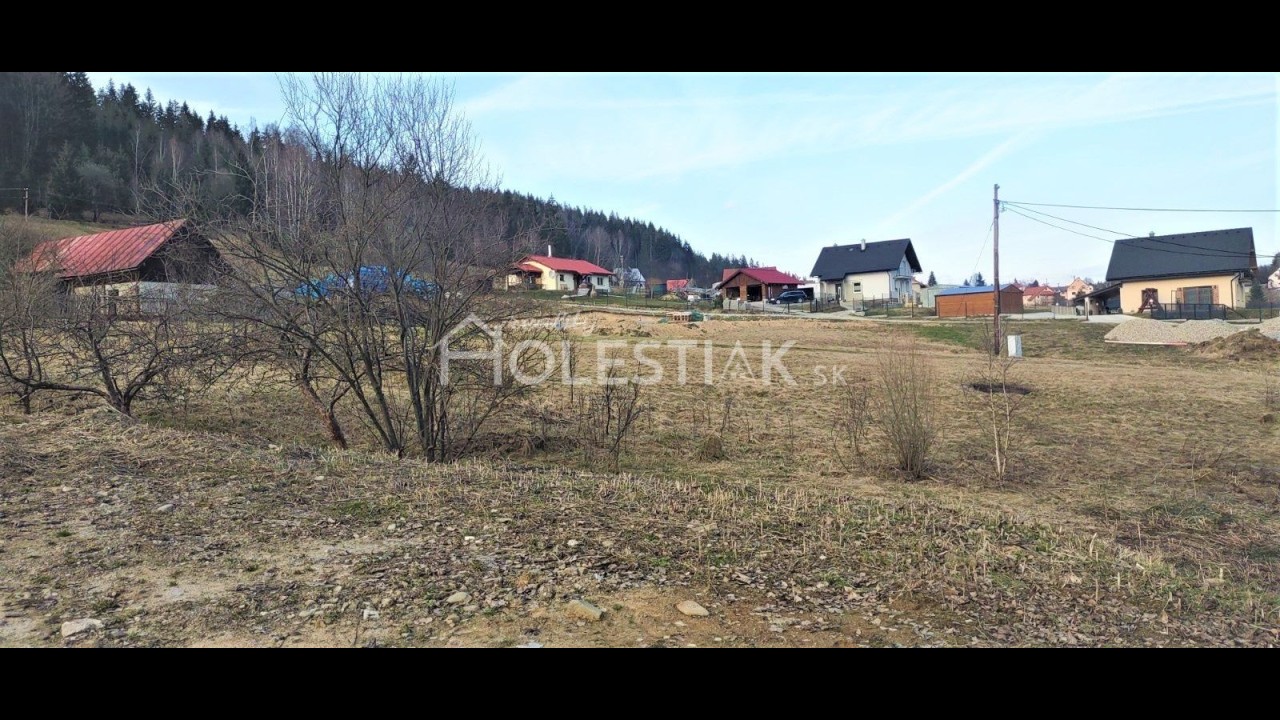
(1242, 346)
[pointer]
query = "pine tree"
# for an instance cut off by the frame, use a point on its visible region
(932, 280)
(1256, 296)
(978, 280)
(66, 191)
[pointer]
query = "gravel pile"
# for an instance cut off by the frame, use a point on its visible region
(1142, 330)
(1271, 328)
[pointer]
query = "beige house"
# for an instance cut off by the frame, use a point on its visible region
(544, 272)
(1186, 275)
(1077, 288)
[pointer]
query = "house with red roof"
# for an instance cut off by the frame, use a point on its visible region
(544, 272)
(756, 284)
(1039, 295)
(142, 268)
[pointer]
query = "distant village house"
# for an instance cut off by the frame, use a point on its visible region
(544, 272)
(882, 270)
(757, 284)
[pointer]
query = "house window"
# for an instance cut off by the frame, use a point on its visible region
(599, 280)
(561, 277)
(857, 287)
(1202, 295)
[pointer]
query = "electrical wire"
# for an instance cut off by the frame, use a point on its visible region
(1016, 211)
(983, 248)
(1159, 240)
(1138, 209)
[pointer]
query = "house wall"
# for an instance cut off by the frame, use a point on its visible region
(866, 286)
(1230, 290)
(977, 304)
(145, 297)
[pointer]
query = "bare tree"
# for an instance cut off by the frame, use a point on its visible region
(84, 343)
(1001, 398)
(25, 298)
(364, 250)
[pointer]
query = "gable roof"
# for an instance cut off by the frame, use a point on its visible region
(767, 275)
(977, 289)
(102, 253)
(1039, 290)
(581, 267)
(836, 261)
(1216, 252)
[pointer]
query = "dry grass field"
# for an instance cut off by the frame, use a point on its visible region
(1141, 507)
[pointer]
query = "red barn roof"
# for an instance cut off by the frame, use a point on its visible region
(102, 253)
(767, 275)
(582, 267)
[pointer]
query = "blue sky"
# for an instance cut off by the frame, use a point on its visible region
(774, 166)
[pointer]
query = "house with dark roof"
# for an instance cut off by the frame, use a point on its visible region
(1190, 270)
(545, 272)
(142, 269)
(872, 271)
(757, 284)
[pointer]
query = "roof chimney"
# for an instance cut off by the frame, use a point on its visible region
(549, 250)
(864, 244)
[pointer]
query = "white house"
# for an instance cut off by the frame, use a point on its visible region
(882, 270)
(543, 272)
(1273, 282)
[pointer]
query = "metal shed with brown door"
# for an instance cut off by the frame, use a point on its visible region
(977, 301)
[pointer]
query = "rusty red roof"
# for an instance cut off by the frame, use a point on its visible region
(767, 275)
(102, 253)
(582, 267)
(528, 268)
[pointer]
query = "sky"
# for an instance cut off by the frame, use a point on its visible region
(776, 166)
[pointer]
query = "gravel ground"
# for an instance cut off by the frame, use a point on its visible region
(1142, 330)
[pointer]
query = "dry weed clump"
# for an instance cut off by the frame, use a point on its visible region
(907, 404)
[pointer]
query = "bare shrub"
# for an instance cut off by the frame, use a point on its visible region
(711, 448)
(907, 403)
(607, 418)
(853, 415)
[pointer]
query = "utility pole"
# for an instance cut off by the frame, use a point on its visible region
(25, 198)
(995, 252)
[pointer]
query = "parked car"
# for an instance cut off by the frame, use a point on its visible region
(788, 297)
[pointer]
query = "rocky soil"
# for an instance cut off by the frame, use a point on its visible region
(118, 534)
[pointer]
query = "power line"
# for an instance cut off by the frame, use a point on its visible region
(982, 248)
(1016, 211)
(1162, 241)
(1139, 209)
(1073, 222)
